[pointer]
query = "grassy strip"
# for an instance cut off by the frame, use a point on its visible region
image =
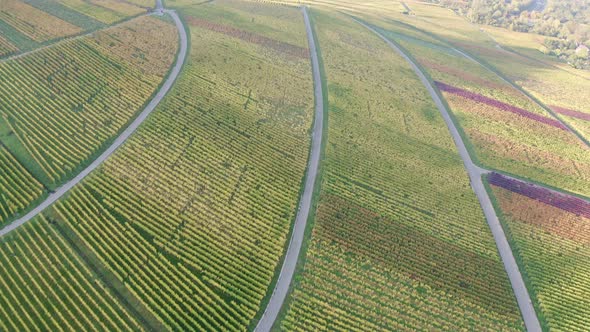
(317, 186)
(517, 256)
(134, 306)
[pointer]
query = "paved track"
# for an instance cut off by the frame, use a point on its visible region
(59, 192)
(475, 175)
(282, 286)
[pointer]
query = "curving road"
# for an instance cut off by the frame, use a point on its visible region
(59, 192)
(288, 269)
(475, 175)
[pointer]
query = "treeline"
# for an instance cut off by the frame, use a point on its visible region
(566, 23)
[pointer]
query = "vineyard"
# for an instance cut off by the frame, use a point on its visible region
(34, 23)
(184, 224)
(62, 105)
(505, 129)
(386, 251)
(551, 82)
(18, 188)
(550, 236)
(45, 286)
(193, 214)
(103, 11)
(29, 24)
(6, 47)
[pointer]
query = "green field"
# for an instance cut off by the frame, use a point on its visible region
(531, 145)
(193, 214)
(386, 250)
(189, 225)
(62, 105)
(552, 247)
(29, 24)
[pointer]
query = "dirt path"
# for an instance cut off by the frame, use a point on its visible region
(282, 286)
(475, 175)
(59, 192)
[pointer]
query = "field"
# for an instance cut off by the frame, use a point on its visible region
(386, 250)
(33, 23)
(60, 106)
(46, 286)
(550, 237)
(555, 84)
(105, 11)
(18, 188)
(514, 55)
(29, 24)
(505, 129)
(185, 227)
(6, 47)
(193, 214)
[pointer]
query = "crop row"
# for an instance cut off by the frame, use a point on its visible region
(498, 104)
(46, 286)
(64, 102)
(34, 23)
(572, 113)
(552, 246)
(388, 251)
(18, 188)
(192, 215)
(6, 47)
(565, 202)
(250, 37)
(505, 130)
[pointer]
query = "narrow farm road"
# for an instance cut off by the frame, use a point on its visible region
(59, 192)
(475, 174)
(288, 269)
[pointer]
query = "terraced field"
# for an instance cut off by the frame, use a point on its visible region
(386, 252)
(549, 234)
(63, 104)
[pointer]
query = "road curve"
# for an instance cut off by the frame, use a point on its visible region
(527, 310)
(288, 269)
(59, 192)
